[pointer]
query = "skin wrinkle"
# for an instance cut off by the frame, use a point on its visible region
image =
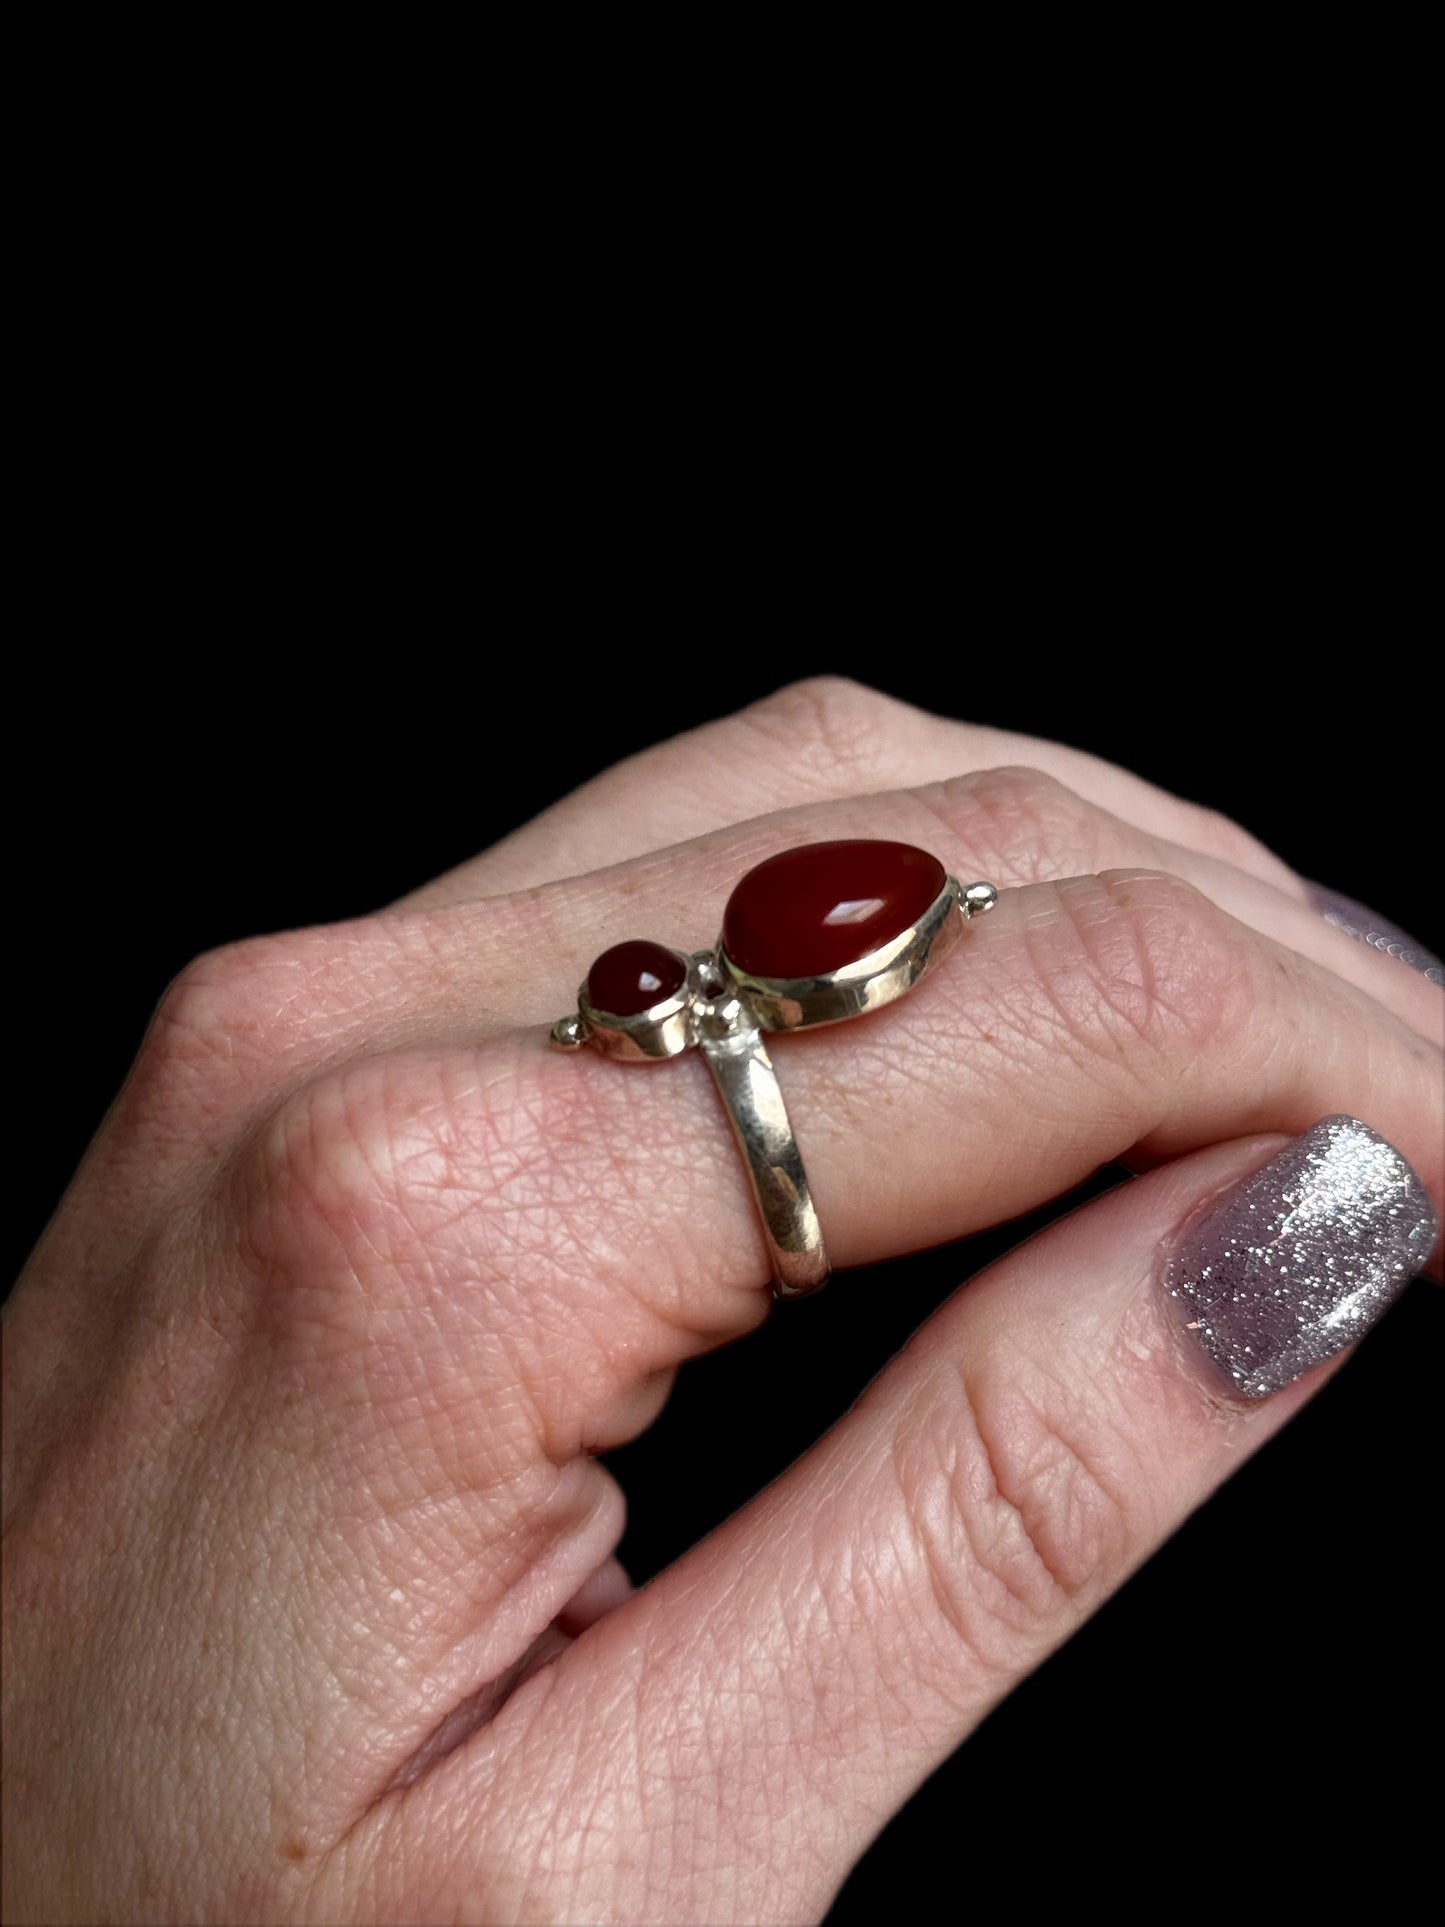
(822, 730)
(1021, 826)
(1061, 1019)
(949, 1491)
(855, 1561)
(1142, 950)
(465, 1657)
(805, 1622)
(972, 1465)
(1071, 980)
(1051, 1469)
(1182, 988)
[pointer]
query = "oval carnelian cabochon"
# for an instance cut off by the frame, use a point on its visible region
(811, 910)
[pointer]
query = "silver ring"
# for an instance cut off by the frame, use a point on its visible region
(643, 1002)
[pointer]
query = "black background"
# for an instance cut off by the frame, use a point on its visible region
(383, 450)
(1246, 1708)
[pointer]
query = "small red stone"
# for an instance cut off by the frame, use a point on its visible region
(632, 977)
(816, 908)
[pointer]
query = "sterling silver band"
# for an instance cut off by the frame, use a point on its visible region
(748, 1086)
(724, 1012)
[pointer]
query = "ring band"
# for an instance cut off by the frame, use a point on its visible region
(748, 1085)
(813, 936)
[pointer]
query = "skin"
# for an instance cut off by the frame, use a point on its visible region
(310, 1610)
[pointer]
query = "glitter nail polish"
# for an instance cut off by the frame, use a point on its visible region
(1301, 1258)
(1367, 926)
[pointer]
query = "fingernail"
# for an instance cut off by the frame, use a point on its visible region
(1367, 926)
(1300, 1259)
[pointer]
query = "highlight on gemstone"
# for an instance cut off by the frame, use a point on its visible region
(812, 910)
(632, 977)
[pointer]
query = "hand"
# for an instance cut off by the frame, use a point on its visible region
(310, 1609)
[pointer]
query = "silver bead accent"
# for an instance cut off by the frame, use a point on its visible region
(979, 899)
(568, 1033)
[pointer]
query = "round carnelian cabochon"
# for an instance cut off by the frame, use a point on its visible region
(632, 977)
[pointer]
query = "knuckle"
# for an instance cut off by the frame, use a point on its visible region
(1014, 1508)
(228, 1020)
(362, 1158)
(1129, 959)
(831, 726)
(359, 1203)
(469, 1184)
(214, 1000)
(1022, 825)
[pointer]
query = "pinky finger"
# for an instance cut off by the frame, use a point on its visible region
(772, 1699)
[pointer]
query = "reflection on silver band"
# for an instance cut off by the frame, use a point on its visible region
(748, 1086)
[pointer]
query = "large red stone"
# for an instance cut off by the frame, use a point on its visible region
(817, 908)
(632, 977)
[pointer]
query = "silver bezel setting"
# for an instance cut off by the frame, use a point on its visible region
(651, 1036)
(717, 995)
(804, 1003)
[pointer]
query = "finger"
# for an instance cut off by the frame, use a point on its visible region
(725, 1745)
(813, 741)
(829, 738)
(1014, 826)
